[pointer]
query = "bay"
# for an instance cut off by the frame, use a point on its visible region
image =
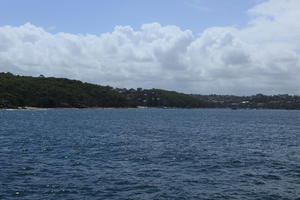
(149, 154)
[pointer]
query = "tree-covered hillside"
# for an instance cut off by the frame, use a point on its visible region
(258, 101)
(25, 91)
(161, 98)
(20, 91)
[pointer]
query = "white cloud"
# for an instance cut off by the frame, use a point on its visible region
(263, 57)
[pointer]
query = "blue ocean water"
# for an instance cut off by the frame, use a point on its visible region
(88, 154)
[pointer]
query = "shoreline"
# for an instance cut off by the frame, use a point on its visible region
(43, 108)
(138, 107)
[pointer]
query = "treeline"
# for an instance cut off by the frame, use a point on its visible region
(160, 98)
(258, 101)
(25, 91)
(21, 91)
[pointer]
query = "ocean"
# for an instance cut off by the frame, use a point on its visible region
(87, 154)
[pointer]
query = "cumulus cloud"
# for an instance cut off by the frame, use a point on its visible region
(262, 57)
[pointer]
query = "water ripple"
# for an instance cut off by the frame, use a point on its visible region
(149, 154)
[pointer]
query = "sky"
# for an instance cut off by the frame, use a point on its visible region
(240, 47)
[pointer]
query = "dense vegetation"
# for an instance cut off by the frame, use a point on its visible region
(21, 91)
(25, 91)
(161, 98)
(258, 101)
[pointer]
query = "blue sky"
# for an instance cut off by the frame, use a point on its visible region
(195, 46)
(98, 16)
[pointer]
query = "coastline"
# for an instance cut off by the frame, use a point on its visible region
(43, 108)
(138, 107)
